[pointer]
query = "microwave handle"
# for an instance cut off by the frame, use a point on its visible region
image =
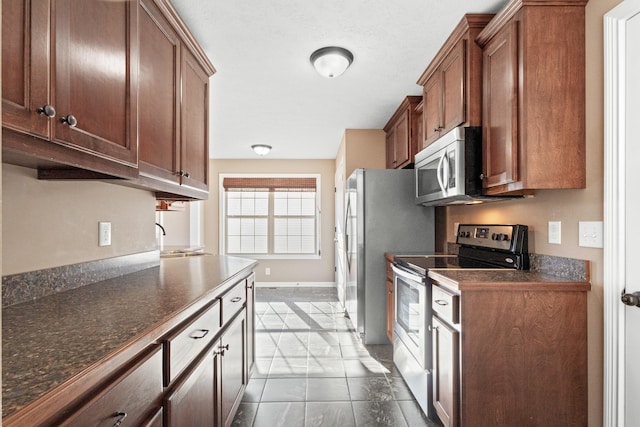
(440, 172)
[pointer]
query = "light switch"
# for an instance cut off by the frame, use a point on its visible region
(590, 234)
(555, 232)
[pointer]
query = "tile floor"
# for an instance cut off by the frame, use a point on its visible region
(311, 370)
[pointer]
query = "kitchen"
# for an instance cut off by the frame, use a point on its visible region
(58, 218)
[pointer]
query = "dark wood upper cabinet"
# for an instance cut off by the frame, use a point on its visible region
(26, 65)
(452, 83)
(106, 89)
(159, 116)
(194, 119)
(95, 78)
(69, 85)
(401, 139)
(534, 97)
(174, 132)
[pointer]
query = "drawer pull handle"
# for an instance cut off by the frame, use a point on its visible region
(236, 299)
(442, 302)
(203, 333)
(121, 416)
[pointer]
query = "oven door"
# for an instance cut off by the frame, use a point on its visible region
(412, 314)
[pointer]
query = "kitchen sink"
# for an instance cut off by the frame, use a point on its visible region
(181, 253)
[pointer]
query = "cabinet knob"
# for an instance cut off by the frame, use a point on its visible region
(482, 176)
(221, 349)
(183, 173)
(121, 416)
(70, 120)
(186, 175)
(236, 299)
(47, 110)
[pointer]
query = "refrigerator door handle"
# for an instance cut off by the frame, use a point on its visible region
(347, 245)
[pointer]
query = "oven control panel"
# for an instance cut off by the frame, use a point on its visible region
(493, 236)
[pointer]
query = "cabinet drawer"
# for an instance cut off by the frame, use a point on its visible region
(445, 304)
(132, 396)
(233, 301)
(182, 348)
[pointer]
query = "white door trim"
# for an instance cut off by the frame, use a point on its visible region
(614, 208)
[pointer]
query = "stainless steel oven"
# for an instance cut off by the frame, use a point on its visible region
(480, 246)
(411, 301)
(412, 333)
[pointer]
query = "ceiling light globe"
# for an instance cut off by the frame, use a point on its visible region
(261, 149)
(331, 61)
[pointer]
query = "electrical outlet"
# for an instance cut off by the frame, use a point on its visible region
(590, 234)
(455, 230)
(267, 271)
(555, 232)
(104, 234)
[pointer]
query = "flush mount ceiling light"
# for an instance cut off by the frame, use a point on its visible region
(261, 149)
(331, 61)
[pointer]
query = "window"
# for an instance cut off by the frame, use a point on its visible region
(270, 216)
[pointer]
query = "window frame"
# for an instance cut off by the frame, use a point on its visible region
(222, 237)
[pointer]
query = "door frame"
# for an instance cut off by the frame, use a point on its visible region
(615, 43)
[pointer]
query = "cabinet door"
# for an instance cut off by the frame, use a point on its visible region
(452, 73)
(402, 145)
(432, 96)
(232, 370)
(192, 402)
(25, 65)
(500, 100)
(95, 78)
(391, 149)
(194, 123)
(159, 112)
(446, 368)
(418, 124)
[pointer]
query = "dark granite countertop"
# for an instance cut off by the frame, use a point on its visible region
(505, 279)
(50, 340)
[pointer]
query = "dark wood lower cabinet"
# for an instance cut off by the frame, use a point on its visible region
(232, 369)
(192, 402)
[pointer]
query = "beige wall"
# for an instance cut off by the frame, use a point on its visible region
(320, 270)
(361, 148)
(568, 206)
(54, 223)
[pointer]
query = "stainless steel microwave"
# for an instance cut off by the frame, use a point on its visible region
(449, 170)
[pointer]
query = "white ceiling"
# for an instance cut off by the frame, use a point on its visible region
(265, 90)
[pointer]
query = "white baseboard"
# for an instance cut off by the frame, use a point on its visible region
(295, 284)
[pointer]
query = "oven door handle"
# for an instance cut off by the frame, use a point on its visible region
(407, 275)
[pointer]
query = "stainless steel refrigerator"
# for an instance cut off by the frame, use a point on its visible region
(381, 216)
